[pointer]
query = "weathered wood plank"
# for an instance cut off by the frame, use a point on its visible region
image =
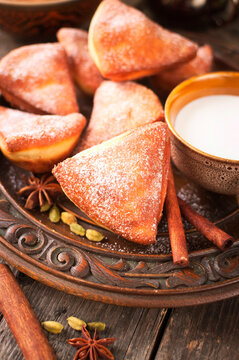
(136, 329)
(144, 339)
(202, 333)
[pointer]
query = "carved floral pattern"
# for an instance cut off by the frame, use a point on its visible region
(124, 273)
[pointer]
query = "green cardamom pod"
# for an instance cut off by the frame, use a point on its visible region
(45, 207)
(77, 229)
(94, 235)
(53, 327)
(99, 326)
(68, 218)
(54, 214)
(76, 323)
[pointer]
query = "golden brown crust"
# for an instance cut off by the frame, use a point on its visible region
(121, 183)
(125, 44)
(38, 77)
(40, 160)
(119, 107)
(201, 64)
(37, 142)
(85, 72)
(20, 130)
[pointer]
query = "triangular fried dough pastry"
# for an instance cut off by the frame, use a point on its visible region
(201, 64)
(119, 107)
(37, 79)
(37, 142)
(125, 44)
(121, 183)
(85, 73)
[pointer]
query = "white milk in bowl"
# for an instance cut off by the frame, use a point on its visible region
(211, 124)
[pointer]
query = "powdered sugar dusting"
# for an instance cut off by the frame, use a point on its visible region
(20, 130)
(39, 75)
(125, 41)
(119, 183)
(119, 107)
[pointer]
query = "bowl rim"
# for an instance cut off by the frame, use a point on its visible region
(177, 89)
(36, 3)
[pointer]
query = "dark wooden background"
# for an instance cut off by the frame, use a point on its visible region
(202, 332)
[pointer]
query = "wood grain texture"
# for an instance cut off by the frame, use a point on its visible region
(136, 330)
(202, 333)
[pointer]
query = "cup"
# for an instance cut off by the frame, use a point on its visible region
(212, 172)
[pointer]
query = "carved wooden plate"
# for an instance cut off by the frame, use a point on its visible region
(115, 270)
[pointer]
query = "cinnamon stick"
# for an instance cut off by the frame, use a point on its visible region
(175, 225)
(21, 319)
(217, 236)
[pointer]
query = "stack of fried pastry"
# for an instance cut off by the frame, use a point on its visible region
(121, 183)
(119, 107)
(125, 44)
(37, 79)
(119, 173)
(37, 142)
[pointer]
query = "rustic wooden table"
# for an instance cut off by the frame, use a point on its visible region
(202, 332)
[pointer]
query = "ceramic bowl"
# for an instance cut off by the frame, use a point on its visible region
(211, 172)
(40, 17)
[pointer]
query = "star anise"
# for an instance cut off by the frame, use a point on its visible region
(40, 190)
(91, 348)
